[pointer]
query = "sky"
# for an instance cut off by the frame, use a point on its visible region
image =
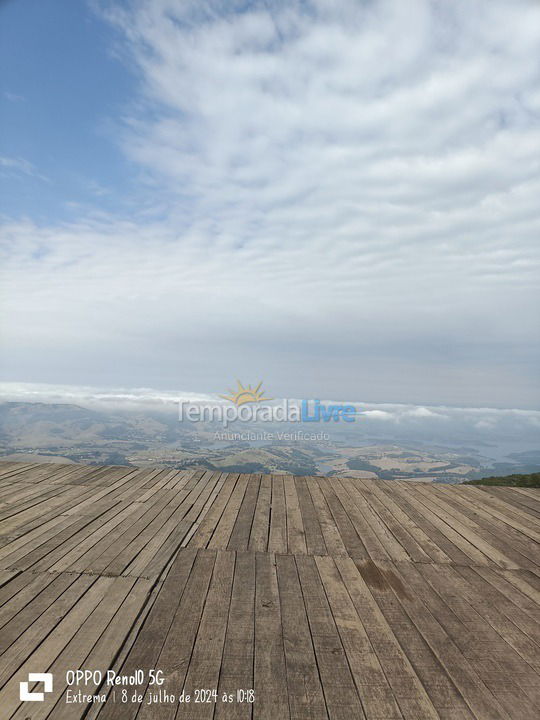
(339, 199)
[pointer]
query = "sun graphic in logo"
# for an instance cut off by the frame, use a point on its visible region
(245, 395)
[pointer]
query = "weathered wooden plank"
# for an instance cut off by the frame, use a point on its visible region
(258, 539)
(238, 652)
(206, 659)
(16, 651)
(46, 653)
(509, 547)
(306, 698)
(175, 655)
(518, 631)
(16, 514)
(407, 689)
(118, 555)
(58, 503)
(277, 539)
(73, 655)
(184, 477)
(210, 521)
(486, 635)
(270, 673)
(499, 510)
(421, 607)
(28, 590)
(475, 532)
(415, 542)
(204, 509)
(11, 581)
(513, 593)
(149, 643)
(332, 538)
(222, 533)
(102, 655)
(351, 540)
(314, 538)
(10, 468)
(296, 539)
(380, 544)
(340, 692)
(21, 492)
(174, 532)
(525, 505)
(440, 533)
(241, 531)
(77, 559)
(441, 690)
(373, 688)
(27, 542)
(65, 540)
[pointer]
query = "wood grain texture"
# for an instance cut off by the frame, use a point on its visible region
(331, 598)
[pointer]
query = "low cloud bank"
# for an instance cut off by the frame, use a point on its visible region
(471, 427)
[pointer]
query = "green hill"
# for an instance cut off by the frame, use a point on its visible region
(530, 480)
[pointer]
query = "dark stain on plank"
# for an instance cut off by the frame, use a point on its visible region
(382, 579)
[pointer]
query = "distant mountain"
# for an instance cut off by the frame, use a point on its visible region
(147, 437)
(76, 433)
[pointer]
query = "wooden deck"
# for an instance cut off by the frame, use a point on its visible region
(330, 598)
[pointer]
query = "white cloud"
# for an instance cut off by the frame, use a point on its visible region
(378, 415)
(17, 165)
(97, 398)
(423, 412)
(328, 186)
(13, 97)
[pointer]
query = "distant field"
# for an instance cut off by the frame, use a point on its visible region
(60, 432)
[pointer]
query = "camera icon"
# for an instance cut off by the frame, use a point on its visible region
(24, 693)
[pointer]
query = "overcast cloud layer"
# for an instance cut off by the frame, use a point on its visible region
(339, 198)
